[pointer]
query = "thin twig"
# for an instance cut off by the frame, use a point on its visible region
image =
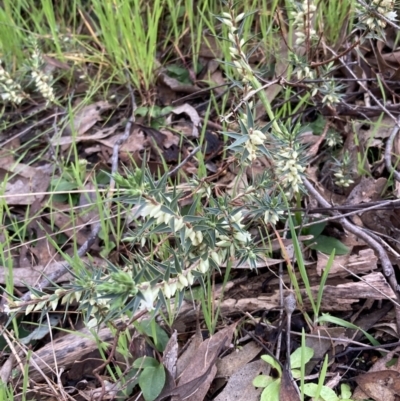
(381, 106)
(387, 267)
(388, 151)
(184, 161)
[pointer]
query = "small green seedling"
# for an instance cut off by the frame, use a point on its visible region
(151, 378)
(272, 386)
(327, 394)
(298, 359)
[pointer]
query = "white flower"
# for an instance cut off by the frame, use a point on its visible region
(233, 51)
(161, 217)
(92, 323)
(204, 265)
(257, 137)
(237, 218)
(196, 237)
(190, 277)
(41, 82)
(183, 280)
(167, 290)
(149, 295)
(272, 216)
(288, 169)
(173, 287)
(391, 15)
(215, 257)
(154, 210)
(146, 209)
(227, 22)
(242, 236)
(178, 223)
(251, 149)
(239, 17)
(223, 244)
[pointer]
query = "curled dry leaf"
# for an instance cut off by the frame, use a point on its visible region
(240, 385)
(86, 118)
(231, 363)
(24, 184)
(175, 85)
(192, 113)
(380, 386)
(195, 380)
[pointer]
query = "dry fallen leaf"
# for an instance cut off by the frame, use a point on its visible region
(23, 180)
(192, 113)
(195, 380)
(86, 118)
(100, 134)
(380, 386)
(367, 190)
(240, 385)
(170, 356)
(230, 364)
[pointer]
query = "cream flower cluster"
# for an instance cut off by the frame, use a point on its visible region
(272, 216)
(176, 223)
(289, 169)
(239, 58)
(305, 72)
(383, 7)
(343, 178)
(225, 243)
(303, 22)
(10, 90)
(330, 91)
(42, 85)
(41, 80)
(333, 138)
(256, 138)
(149, 292)
(242, 236)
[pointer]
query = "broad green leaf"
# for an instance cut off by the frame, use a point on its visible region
(315, 229)
(262, 381)
(145, 362)
(296, 373)
(61, 185)
(327, 394)
(159, 336)
(326, 245)
(271, 392)
(295, 358)
(273, 362)
(345, 391)
(152, 381)
(131, 380)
